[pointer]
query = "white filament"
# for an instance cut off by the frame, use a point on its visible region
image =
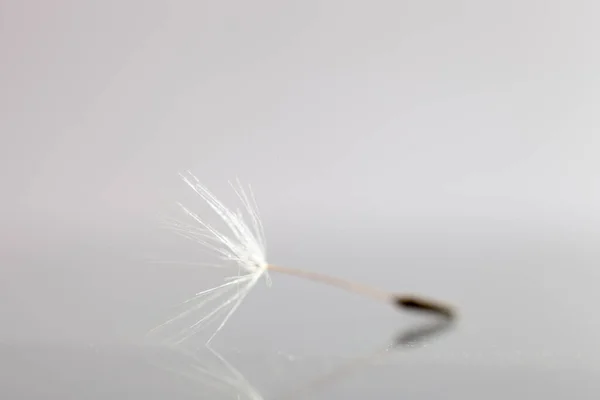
(240, 243)
(209, 370)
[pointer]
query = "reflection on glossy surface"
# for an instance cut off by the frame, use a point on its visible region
(119, 372)
(134, 372)
(153, 372)
(409, 338)
(209, 370)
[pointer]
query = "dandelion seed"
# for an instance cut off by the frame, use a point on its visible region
(244, 245)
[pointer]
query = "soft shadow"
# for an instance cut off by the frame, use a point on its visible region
(406, 339)
(212, 374)
(417, 336)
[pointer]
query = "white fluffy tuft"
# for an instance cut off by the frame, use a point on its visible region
(241, 243)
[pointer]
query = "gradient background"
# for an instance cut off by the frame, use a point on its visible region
(448, 148)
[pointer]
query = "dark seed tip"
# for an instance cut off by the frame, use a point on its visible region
(423, 305)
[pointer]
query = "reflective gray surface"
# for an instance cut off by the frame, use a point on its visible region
(443, 148)
(68, 372)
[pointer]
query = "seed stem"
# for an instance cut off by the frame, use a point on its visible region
(410, 302)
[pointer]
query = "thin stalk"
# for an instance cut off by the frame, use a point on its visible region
(406, 301)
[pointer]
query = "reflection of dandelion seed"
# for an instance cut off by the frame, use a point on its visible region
(216, 377)
(245, 246)
(210, 370)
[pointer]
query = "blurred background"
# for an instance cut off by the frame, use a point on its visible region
(446, 148)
